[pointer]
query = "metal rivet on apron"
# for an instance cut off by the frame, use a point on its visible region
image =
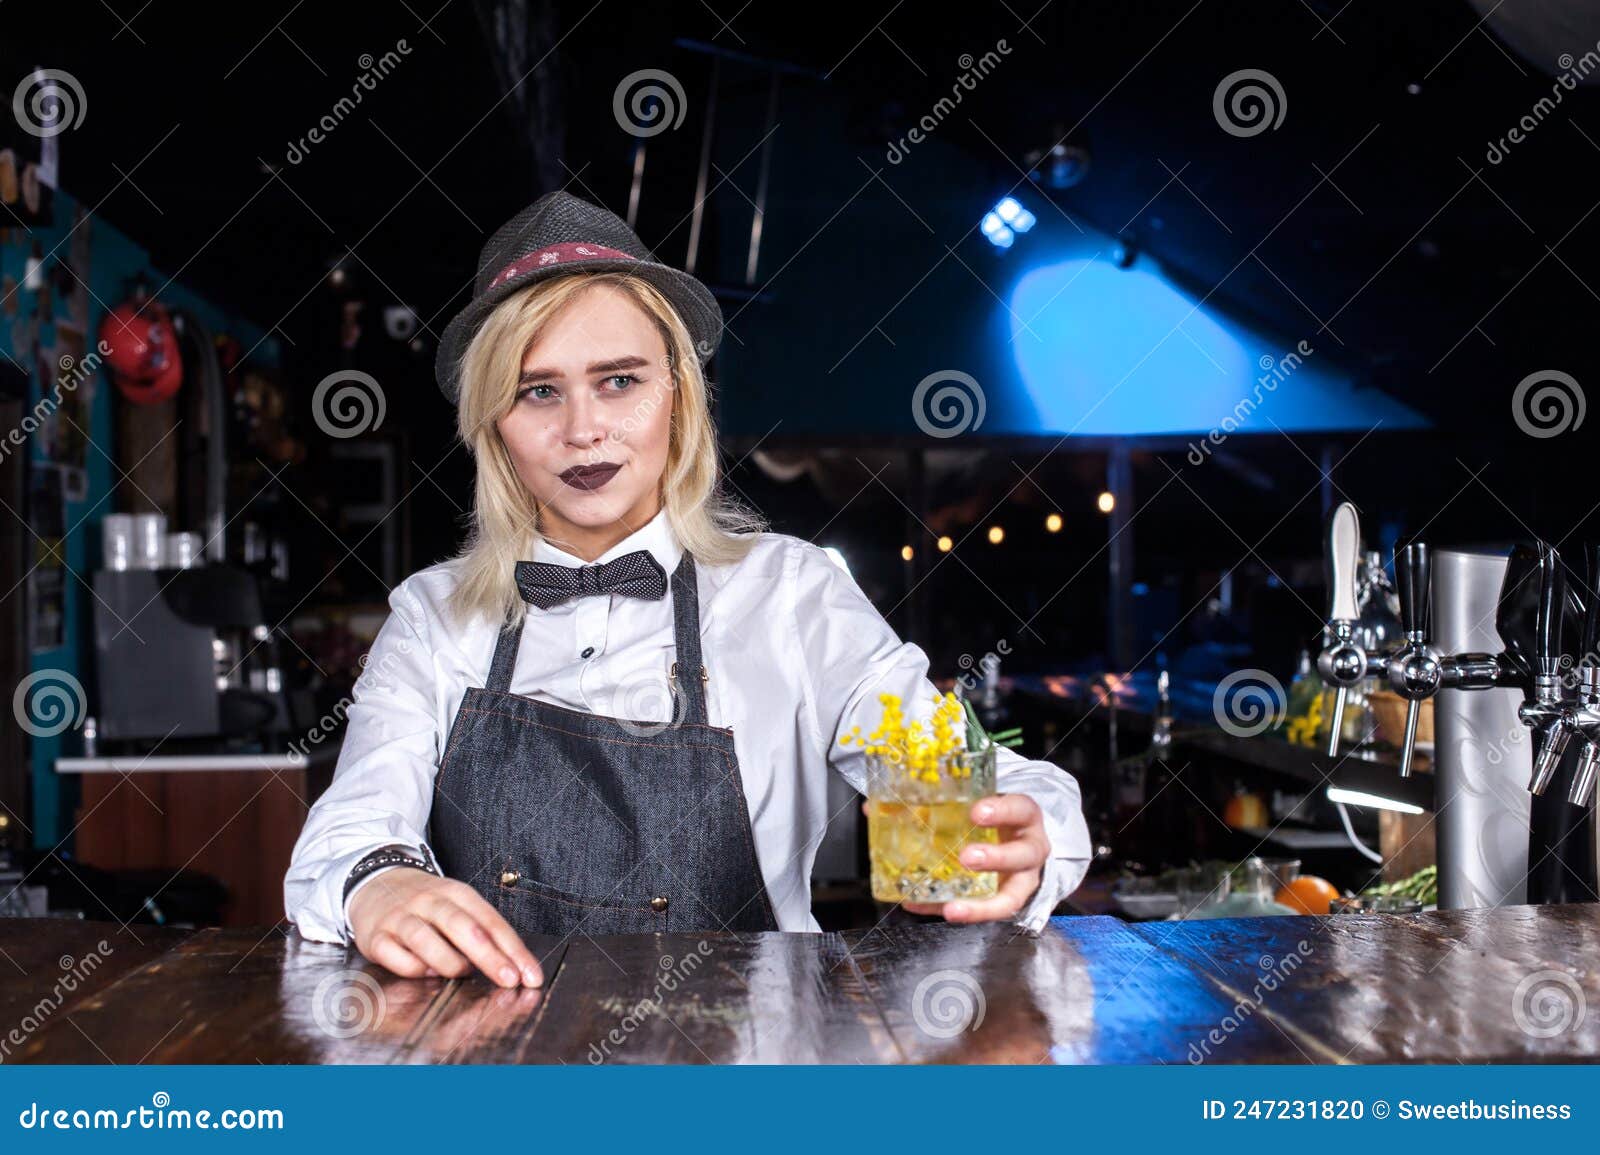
(509, 878)
(658, 903)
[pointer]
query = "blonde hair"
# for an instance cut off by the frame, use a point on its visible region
(503, 524)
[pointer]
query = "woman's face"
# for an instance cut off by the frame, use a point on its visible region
(589, 429)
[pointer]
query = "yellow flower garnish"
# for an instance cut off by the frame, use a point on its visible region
(919, 747)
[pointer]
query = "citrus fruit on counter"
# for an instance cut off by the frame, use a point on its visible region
(1308, 894)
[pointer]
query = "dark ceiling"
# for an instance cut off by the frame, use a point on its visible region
(1373, 218)
(1370, 215)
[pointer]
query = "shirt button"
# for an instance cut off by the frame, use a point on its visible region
(658, 904)
(588, 652)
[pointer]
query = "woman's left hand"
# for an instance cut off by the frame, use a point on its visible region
(1019, 857)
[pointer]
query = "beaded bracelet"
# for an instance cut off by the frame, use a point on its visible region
(394, 855)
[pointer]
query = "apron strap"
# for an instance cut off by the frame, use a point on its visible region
(505, 657)
(689, 671)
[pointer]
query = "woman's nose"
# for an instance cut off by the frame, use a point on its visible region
(585, 425)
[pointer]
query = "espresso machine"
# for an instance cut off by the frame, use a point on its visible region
(1513, 667)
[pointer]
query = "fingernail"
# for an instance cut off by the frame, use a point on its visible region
(976, 855)
(985, 812)
(955, 909)
(531, 977)
(508, 976)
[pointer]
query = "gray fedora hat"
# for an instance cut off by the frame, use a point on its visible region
(559, 234)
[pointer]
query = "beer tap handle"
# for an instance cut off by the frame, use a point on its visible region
(1554, 727)
(1342, 559)
(1413, 569)
(1547, 618)
(1343, 663)
(1589, 650)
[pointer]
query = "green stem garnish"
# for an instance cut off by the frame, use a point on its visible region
(978, 739)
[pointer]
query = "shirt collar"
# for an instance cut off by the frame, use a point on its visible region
(654, 536)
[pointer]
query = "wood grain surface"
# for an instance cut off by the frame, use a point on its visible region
(1514, 984)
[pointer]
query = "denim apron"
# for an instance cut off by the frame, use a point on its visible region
(569, 822)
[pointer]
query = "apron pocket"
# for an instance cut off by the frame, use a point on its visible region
(533, 907)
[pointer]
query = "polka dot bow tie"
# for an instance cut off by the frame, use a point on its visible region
(635, 575)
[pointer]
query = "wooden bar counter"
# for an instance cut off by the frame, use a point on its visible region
(1510, 985)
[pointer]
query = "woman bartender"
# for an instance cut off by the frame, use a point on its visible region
(614, 711)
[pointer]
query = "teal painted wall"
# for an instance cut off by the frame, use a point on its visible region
(113, 259)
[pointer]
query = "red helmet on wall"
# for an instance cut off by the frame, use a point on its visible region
(146, 364)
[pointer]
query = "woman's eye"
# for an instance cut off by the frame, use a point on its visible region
(627, 379)
(537, 392)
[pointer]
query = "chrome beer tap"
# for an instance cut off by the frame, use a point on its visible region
(1546, 711)
(1415, 670)
(1343, 663)
(1560, 703)
(1587, 709)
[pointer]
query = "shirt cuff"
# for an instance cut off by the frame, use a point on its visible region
(1056, 881)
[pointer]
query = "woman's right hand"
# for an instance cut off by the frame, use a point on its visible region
(416, 923)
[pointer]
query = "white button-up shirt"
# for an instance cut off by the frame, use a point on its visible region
(797, 657)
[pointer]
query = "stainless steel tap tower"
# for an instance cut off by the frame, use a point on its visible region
(1523, 707)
